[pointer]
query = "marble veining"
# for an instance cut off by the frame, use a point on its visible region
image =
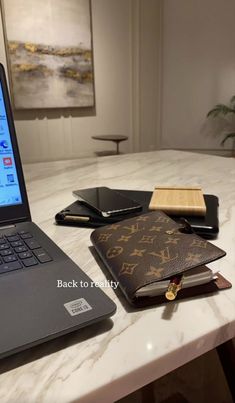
(111, 359)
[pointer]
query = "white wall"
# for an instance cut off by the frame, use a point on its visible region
(150, 74)
(198, 67)
(126, 38)
(61, 133)
(194, 45)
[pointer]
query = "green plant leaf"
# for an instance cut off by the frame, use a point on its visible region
(214, 112)
(228, 136)
(220, 109)
(232, 101)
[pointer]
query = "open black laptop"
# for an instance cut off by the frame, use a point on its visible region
(33, 309)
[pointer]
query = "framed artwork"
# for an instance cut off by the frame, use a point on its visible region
(49, 53)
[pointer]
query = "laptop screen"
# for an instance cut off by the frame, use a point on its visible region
(10, 193)
(14, 206)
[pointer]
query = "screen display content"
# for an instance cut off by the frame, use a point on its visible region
(10, 194)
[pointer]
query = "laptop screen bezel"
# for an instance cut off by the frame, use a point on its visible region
(18, 212)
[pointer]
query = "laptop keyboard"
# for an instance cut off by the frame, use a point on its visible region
(19, 250)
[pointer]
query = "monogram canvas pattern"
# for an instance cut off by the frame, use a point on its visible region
(149, 248)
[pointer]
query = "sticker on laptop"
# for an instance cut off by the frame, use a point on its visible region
(77, 306)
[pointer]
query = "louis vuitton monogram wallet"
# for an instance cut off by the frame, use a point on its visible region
(154, 259)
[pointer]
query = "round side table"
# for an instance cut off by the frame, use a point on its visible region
(111, 137)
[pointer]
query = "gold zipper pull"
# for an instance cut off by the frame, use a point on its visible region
(174, 286)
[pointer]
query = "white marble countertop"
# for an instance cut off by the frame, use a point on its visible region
(109, 360)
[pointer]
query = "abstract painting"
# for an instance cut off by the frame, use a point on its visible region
(49, 51)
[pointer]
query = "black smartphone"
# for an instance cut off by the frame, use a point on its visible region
(78, 214)
(106, 202)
